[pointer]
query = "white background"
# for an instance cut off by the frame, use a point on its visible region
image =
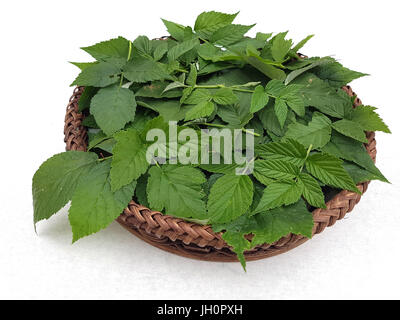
(357, 258)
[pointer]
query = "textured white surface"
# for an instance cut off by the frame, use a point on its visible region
(357, 258)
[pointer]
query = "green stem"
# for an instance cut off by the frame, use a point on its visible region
(218, 86)
(182, 70)
(212, 86)
(156, 163)
(249, 132)
(105, 158)
(213, 125)
(130, 51)
(242, 90)
(223, 126)
(308, 153)
(247, 165)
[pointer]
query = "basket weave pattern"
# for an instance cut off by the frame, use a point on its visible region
(201, 242)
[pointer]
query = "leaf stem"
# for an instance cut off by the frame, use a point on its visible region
(213, 125)
(105, 158)
(223, 126)
(182, 70)
(308, 153)
(242, 90)
(130, 51)
(211, 86)
(218, 86)
(247, 165)
(250, 132)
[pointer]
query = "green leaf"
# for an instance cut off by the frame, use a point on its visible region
(106, 145)
(210, 182)
(275, 87)
(96, 139)
(230, 197)
(224, 96)
(357, 173)
(94, 206)
(55, 181)
(317, 93)
(290, 150)
(287, 93)
(170, 110)
(258, 192)
(208, 51)
(84, 65)
(329, 170)
(112, 108)
(203, 109)
(368, 119)
(90, 122)
(229, 34)
(350, 129)
(181, 48)
(155, 123)
(280, 47)
(114, 51)
(235, 115)
(298, 64)
(157, 89)
(86, 97)
(192, 77)
(337, 75)
(209, 22)
(140, 190)
(160, 50)
(239, 244)
(263, 66)
(312, 192)
(198, 96)
(214, 67)
(295, 102)
(281, 111)
(263, 180)
(178, 190)
(100, 75)
(317, 133)
(129, 159)
(346, 148)
(185, 94)
(176, 30)
(259, 99)
(173, 85)
(267, 227)
(143, 46)
(276, 169)
(263, 36)
(220, 168)
(295, 73)
(278, 194)
(141, 69)
(301, 44)
(279, 222)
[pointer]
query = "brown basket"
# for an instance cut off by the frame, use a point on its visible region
(201, 242)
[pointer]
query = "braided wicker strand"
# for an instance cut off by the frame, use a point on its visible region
(201, 242)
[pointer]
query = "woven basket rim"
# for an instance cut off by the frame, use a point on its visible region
(201, 242)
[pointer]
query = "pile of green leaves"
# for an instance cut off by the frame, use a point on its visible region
(309, 139)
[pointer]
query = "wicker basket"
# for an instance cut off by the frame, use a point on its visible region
(200, 242)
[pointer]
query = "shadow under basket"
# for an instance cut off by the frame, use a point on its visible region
(201, 242)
